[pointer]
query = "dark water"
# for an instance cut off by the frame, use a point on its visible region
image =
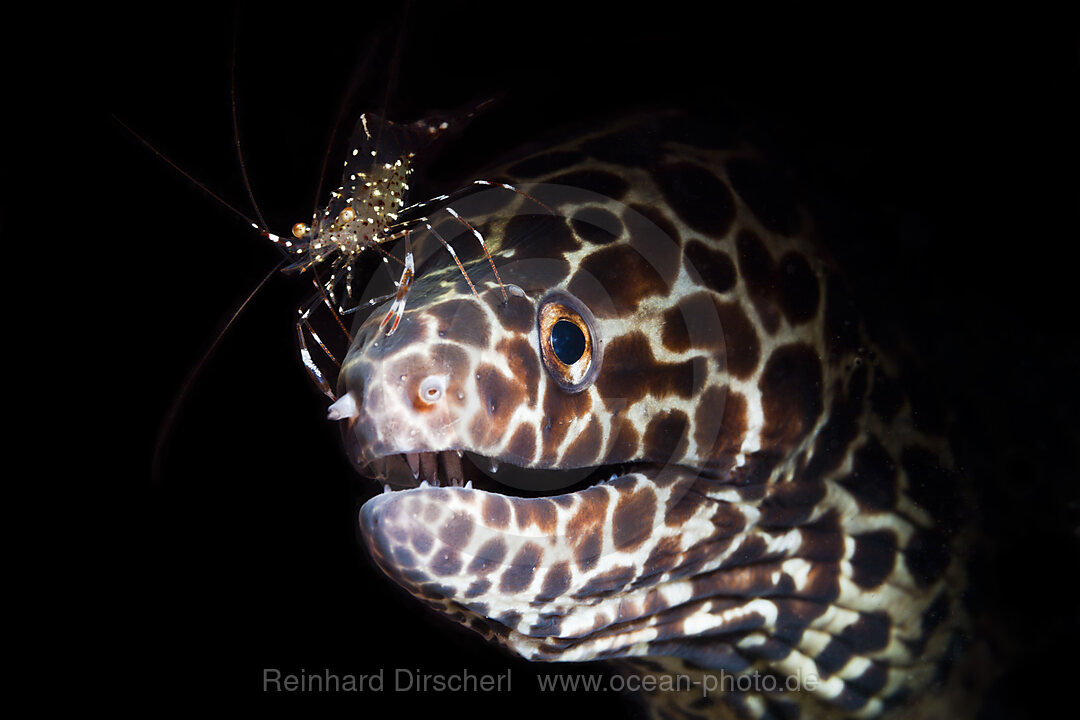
(937, 148)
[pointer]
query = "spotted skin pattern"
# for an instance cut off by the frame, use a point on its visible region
(779, 507)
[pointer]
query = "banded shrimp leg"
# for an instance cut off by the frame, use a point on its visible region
(342, 256)
(325, 306)
(397, 309)
(325, 300)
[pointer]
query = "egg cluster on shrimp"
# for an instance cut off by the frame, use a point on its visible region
(363, 212)
(363, 222)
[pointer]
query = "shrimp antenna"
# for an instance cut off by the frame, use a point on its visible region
(236, 128)
(186, 174)
(178, 399)
(361, 71)
(395, 65)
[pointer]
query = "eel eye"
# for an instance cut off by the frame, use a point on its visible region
(568, 343)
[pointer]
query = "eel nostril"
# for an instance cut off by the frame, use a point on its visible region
(432, 388)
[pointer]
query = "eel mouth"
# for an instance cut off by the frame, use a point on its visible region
(462, 468)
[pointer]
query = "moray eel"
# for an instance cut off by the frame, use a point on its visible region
(662, 437)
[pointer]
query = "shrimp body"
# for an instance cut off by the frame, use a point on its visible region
(363, 212)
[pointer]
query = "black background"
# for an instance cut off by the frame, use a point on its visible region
(943, 145)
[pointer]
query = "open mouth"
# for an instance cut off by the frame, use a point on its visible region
(460, 468)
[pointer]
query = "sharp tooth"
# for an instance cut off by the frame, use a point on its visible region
(613, 476)
(424, 484)
(468, 485)
(493, 464)
(386, 490)
(460, 453)
(428, 467)
(343, 407)
(414, 463)
(451, 466)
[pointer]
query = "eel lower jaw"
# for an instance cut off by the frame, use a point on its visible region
(543, 575)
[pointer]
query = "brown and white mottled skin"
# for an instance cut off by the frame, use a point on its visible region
(779, 506)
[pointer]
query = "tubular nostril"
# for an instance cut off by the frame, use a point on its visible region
(432, 389)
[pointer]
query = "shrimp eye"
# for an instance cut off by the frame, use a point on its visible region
(299, 230)
(569, 344)
(347, 215)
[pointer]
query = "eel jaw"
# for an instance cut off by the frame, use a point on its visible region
(464, 468)
(537, 575)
